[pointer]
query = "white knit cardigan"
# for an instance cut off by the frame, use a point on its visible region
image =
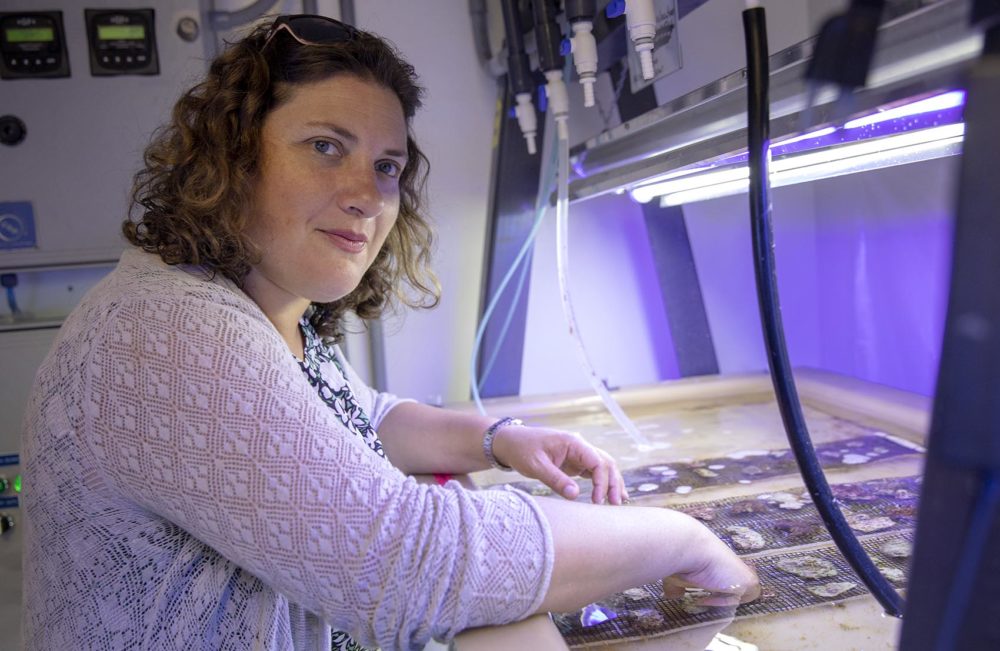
(186, 488)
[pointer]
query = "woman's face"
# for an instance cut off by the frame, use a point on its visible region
(327, 192)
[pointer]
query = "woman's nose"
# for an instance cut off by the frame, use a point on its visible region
(359, 193)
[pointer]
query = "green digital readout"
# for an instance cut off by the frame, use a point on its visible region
(121, 32)
(30, 34)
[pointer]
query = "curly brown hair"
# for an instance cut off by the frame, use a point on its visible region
(193, 195)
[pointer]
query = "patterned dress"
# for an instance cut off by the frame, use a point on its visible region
(348, 411)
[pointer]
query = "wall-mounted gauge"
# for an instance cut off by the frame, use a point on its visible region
(122, 42)
(32, 44)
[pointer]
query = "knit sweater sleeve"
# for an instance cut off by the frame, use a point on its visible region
(195, 410)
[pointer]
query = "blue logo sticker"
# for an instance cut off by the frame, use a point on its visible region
(17, 225)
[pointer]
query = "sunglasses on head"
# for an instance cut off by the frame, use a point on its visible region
(311, 30)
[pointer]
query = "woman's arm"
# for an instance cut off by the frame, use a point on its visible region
(420, 440)
(600, 551)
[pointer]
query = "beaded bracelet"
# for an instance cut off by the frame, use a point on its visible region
(491, 431)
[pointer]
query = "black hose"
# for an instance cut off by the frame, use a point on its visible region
(758, 143)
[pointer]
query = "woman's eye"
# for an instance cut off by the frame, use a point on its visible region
(389, 168)
(325, 147)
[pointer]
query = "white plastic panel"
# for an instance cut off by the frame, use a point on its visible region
(85, 135)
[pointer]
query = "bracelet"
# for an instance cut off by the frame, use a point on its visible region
(491, 431)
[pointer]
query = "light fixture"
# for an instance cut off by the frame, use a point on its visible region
(806, 136)
(848, 159)
(937, 103)
(904, 134)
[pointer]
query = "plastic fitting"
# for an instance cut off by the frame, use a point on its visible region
(585, 58)
(519, 73)
(558, 100)
(640, 17)
(525, 112)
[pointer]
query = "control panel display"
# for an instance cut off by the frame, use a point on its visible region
(121, 32)
(122, 42)
(40, 35)
(32, 45)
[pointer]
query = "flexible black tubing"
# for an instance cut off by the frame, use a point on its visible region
(758, 143)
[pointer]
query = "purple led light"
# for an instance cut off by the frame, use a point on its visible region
(935, 104)
(931, 112)
(807, 136)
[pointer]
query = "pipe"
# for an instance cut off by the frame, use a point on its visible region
(347, 12)
(580, 14)
(376, 352)
(758, 149)
(544, 190)
(562, 262)
(548, 39)
(480, 30)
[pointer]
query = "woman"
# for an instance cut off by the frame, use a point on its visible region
(205, 468)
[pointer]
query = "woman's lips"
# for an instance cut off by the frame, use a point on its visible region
(347, 240)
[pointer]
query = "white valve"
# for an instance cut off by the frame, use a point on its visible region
(640, 17)
(525, 112)
(585, 58)
(558, 98)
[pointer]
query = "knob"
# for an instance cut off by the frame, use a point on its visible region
(187, 29)
(6, 523)
(12, 130)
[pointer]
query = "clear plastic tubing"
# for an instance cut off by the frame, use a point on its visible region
(544, 189)
(562, 262)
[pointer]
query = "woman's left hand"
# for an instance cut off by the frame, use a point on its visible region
(554, 456)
